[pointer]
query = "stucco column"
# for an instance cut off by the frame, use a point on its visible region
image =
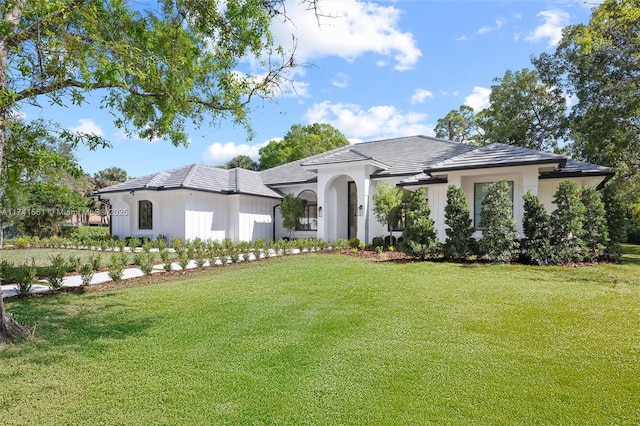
(322, 206)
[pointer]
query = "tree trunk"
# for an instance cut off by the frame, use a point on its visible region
(9, 328)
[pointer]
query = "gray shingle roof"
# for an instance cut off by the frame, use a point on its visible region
(578, 168)
(200, 178)
(415, 157)
(399, 156)
(495, 155)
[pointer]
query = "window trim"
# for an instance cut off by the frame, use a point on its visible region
(145, 214)
(309, 219)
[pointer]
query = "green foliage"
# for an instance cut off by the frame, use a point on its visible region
(291, 210)
(86, 273)
(499, 235)
(597, 63)
(301, 142)
(536, 244)
(183, 258)
(145, 262)
(459, 244)
(567, 223)
(109, 176)
(84, 234)
(56, 271)
(96, 261)
(242, 162)
(133, 242)
(26, 276)
(6, 271)
(377, 241)
(21, 243)
(595, 233)
(48, 206)
(459, 126)
(387, 205)
(419, 236)
(177, 243)
(165, 257)
(616, 222)
(524, 111)
(116, 268)
(74, 263)
(354, 243)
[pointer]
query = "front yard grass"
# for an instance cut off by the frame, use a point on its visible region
(331, 339)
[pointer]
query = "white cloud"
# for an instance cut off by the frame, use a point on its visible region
(479, 99)
(420, 95)
(219, 153)
(554, 22)
(381, 121)
(341, 80)
(487, 29)
(87, 126)
(348, 29)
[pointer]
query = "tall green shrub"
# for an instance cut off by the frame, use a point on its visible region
(566, 223)
(595, 232)
(616, 222)
(536, 244)
(499, 235)
(459, 243)
(419, 235)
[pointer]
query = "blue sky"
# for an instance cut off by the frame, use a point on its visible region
(377, 69)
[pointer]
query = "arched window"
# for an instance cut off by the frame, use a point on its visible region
(309, 219)
(145, 214)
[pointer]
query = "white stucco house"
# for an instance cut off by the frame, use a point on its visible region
(337, 186)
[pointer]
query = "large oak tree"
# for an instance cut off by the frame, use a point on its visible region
(157, 65)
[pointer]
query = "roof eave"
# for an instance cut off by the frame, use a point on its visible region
(492, 166)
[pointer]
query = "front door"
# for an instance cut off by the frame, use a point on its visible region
(352, 194)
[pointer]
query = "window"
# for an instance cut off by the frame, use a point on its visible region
(480, 191)
(145, 214)
(309, 219)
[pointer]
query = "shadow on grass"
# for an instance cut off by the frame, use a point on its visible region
(71, 323)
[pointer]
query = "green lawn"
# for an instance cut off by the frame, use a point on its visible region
(330, 339)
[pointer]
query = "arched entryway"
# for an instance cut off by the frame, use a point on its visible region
(340, 215)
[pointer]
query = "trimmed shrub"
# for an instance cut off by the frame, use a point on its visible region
(419, 235)
(566, 224)
(74, 263)
(86, 273)
(146, 262)
(616, 223)
(354, 243)
(116, 268)
(86, 234)
(536, 244)
(377, 241)
(594, 231)
(25, 277)
(6, 271)
(499, 235)
(56, 271)
(459, 244)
